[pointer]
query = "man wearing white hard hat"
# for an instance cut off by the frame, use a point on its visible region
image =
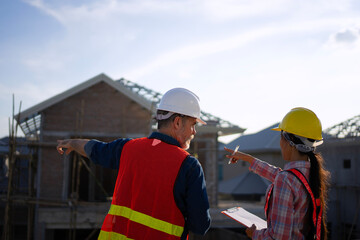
(160, 192)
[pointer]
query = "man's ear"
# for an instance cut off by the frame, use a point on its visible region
(177, 122)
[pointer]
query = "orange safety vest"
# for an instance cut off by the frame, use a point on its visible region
(317, 208)
(143, 205)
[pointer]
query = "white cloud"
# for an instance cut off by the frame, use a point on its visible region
(344, 42)
(51, 12)
(347, 36)
(232, 9)
(98, 28)
(106, 9)
(203, 49)
(190, 52)
(102, 10)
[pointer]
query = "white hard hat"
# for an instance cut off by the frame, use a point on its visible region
(182, 101)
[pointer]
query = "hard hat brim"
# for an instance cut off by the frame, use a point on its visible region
(276, 129)
(201, 121)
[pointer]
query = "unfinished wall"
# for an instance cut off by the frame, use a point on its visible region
(204, 148)
(95, 112)
(98, 109)
(341, 159)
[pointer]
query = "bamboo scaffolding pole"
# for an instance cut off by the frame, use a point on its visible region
(93, 232)
(75, 212)
(7, 233)
(77, 164)
(93, 175)
(31, 194)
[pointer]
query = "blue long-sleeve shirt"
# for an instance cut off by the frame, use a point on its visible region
(189, 190)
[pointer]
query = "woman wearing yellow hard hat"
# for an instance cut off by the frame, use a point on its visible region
(296, 200)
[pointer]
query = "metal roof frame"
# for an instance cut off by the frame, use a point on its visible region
(155, 97)
(347, 129)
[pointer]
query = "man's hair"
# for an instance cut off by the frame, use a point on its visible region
(165, 122)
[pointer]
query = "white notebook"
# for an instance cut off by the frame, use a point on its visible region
(245, 218)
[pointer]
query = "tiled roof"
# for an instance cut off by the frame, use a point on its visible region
(265, 140)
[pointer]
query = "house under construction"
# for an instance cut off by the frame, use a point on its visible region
(341, 151)
(67, 197)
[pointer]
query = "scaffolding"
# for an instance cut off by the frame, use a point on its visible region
(30, 200)
(7, 234)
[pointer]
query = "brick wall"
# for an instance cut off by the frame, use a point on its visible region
(99, 110)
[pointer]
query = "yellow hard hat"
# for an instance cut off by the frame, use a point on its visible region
(302, 122)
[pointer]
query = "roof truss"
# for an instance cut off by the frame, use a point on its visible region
(347, 129)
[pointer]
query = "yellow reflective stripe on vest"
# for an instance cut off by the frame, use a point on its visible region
(112, 235)
(146, 220)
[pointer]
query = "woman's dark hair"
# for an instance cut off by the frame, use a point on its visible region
(319, 181)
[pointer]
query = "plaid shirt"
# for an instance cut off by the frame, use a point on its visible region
(289, 202)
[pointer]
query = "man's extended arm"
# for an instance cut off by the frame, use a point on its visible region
(104, 154)
(76, 145)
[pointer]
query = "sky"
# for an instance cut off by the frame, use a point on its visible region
(249, 61)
